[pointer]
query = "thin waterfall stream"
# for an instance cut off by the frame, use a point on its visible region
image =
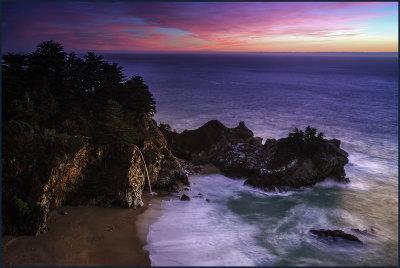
(147, 172)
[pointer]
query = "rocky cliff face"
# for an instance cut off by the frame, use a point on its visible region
(287, 162)
(165, 171)
(65, 178)
(96, 175)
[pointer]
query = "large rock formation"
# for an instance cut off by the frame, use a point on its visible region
(194, 145)
(92, 174)
(294, 161)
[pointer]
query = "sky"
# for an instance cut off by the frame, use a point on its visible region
(202, 26)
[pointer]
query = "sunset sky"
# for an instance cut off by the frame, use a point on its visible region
(202, 26)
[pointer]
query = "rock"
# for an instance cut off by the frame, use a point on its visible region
(291, 162)
(208, 200)
(165, 171)
(366, 231)
(186, 189)
(64, 212)
(194, 145)
(185, 197)
(256, 141)
(242, 133)
(335, 234)
(189, 167)
(194, 141)
(172, 176)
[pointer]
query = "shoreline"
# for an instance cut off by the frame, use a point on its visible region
(91, 235)
(86, 235)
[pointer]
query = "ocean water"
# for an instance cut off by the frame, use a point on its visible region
(349, 96)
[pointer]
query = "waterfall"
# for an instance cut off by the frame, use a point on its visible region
(147, 173)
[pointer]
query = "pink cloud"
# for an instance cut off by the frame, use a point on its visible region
(183, 25)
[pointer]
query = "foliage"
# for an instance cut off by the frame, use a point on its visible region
(309, 134)
(298, 143)
(53, 102)
(47, 87)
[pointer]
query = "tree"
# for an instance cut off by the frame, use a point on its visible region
(310, 133)
(296, 134)
(137, 98)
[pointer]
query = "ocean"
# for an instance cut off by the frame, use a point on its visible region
(348, 96)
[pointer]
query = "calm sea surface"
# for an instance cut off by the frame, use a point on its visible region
(349, 96)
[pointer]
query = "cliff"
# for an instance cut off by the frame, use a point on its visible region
(74, 129)
(89, 173)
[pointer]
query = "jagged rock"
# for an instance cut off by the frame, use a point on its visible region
(65, 177)
(185, 197)
(188, 167)
(290, 162)
(171, 176)
(335, 234)
(165, 171)
(193, 145)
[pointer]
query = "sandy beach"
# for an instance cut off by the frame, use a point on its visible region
(91, 235)
(87, 235)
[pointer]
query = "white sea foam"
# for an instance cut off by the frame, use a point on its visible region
(277, 192)
(355, 184)
(205, 233)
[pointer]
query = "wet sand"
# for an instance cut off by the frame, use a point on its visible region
(87, 235)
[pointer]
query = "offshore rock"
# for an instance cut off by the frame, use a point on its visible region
(291, 162)
(194, 145)
(295, 163)
(335, 235)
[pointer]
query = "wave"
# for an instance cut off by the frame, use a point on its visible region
(198, 233)
(245, 226)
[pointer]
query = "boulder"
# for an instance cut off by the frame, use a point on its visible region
(185, 197)
(335, 235)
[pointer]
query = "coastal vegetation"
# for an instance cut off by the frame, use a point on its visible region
(53, 104)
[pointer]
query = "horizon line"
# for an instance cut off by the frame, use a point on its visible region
(216, 52)
(203, 52)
